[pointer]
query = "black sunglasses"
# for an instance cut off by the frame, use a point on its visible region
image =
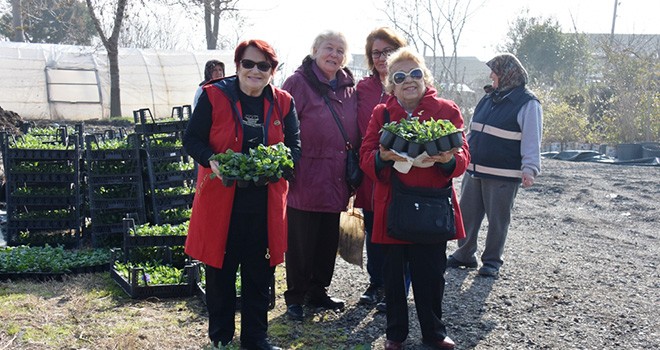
(399, 76)
(262, 66)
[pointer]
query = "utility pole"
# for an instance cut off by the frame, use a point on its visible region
(616, 2)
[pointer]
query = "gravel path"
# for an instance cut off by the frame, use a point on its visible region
(580, 272)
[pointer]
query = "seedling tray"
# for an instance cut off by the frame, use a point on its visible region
(161, 127)
(136, 291)
(119, 154)
(42, 154)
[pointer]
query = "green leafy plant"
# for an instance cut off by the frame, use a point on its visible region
(154, 273)
(24, 259)
(414, 130)
(110, 144)
(263, 161)
(160, 230)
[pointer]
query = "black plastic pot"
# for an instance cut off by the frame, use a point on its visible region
(431, 148)
(415, 149)
(456, 139)
(228, 182)
(400, 144)
(444, 143)
(243, 183)
(387, 138)
(261, 181)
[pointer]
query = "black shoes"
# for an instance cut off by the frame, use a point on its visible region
(489, 271)
(371, 296)
(327, 302)
(295, 312)
(453, 262)
(260, 345)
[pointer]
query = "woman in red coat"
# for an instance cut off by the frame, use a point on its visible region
(381, 42)
(232, 226)
(410, 82)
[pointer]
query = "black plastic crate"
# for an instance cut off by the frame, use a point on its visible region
(169, 202)
(131, 240)
(113, 154)
(42, 154)
(50, 177)
(44, 200)
(32, 237)
(161, 127)
(103, 179)
(170, 176)
(137, 290)
(129, 204)
(42, 224)
(167, 152)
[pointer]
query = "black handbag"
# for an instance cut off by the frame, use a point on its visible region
(420, 214)
(353, 172)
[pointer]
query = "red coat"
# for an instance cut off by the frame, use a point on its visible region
(370, 93)
(429, 107)
(212, 206)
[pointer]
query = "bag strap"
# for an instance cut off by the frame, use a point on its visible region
(339, 124)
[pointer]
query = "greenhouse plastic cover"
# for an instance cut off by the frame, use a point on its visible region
(65, 82)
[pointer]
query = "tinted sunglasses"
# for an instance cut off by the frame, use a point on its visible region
(399, 77)
(262, 66)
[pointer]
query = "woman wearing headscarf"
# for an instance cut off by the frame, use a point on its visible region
(505, 142)
(213, 70)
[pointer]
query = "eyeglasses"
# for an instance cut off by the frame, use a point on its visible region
(262, 66)
(399, 77)
(375, 54)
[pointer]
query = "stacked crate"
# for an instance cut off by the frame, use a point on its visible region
(43, 187)
(169, 171)
(158, 248)
(114, 184)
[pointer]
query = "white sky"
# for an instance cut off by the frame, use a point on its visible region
(291, 25)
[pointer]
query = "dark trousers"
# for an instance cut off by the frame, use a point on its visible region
(374, 252)
(311, 253)
(246, 247)
(427, 263)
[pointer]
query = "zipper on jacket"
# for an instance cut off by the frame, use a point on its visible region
(267, 254)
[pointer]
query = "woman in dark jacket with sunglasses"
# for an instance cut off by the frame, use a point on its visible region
(232, 226)
(410, 82)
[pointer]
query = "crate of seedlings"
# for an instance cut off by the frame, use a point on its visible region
(50, 262)
(157, 273)
(151, 235)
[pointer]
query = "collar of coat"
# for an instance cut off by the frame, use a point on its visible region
(316, 84)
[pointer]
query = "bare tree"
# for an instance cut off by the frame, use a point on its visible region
(111, 44)
(426, 24)
(19, 36)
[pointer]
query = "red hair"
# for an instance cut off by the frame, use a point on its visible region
(260, 45)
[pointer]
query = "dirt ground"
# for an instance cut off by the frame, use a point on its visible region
(580, 272)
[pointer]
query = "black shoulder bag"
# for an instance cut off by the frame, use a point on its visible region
(353, 172)
(420, 214)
